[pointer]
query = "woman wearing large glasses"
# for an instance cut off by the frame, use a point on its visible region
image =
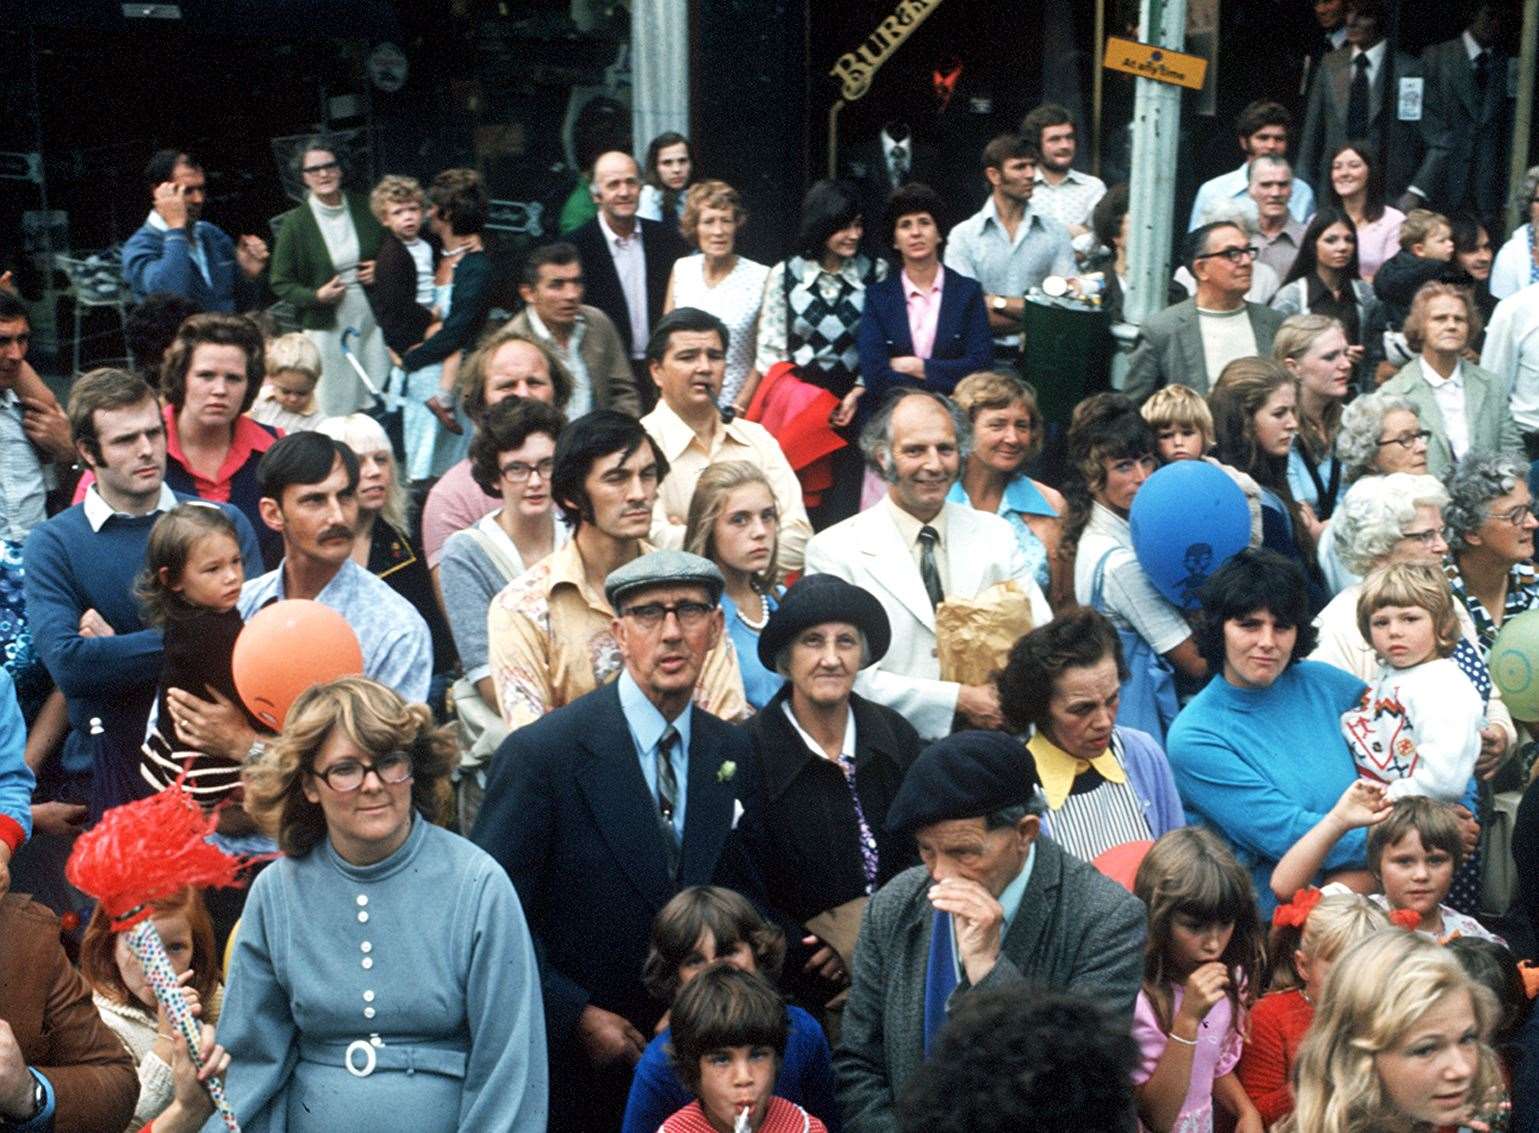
(383, 975)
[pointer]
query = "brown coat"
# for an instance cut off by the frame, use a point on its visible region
(48, 1006)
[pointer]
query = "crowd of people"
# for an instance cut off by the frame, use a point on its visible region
(768, 718)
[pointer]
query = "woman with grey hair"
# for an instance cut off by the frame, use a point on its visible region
(830, 762)
(1517, 264)
(1379, 434)
(1491, 530)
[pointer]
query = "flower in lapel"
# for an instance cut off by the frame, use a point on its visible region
(725, 772)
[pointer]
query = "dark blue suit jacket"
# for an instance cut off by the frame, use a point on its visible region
(963, 342)
(568, 814)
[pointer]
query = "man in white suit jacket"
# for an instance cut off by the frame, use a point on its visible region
(918, 440)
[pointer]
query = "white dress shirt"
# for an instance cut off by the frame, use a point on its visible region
(1449, 394)
(631, 266)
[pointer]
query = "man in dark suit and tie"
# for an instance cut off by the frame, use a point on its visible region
(602, 811)
(1467, 120)
(1347, 103)
(626, 260)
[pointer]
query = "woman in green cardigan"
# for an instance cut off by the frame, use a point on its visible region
(322, 259)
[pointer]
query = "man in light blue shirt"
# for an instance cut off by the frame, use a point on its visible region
(1262, 128)
(1008, 246)
(309, 483)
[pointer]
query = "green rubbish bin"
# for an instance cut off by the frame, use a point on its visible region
(1066, 356)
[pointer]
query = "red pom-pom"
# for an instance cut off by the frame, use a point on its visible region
(1297, 911)
(69, 922)
(147, 851)
(1406, 918)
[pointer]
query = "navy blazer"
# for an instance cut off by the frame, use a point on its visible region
(963, 341)
(568, 814)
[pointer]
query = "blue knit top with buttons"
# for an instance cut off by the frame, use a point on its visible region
(399, 995)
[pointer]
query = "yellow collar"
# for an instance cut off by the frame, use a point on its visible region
(1057, 769)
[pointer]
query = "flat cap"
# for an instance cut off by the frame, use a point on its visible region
(663, 568)
(966, 775)
(818, 598)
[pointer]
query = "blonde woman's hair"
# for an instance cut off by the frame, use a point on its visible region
(1179, 406)
(364, 435)
(1298, 333)
(709, 194)
(394, 189)
(1375, 995)
(1411, 584)
(1191, 871)
(375, 719)
(1339, 921)
(716, 483)
(1000, 389)
(294, 352)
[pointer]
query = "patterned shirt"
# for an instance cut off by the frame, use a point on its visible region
(1069, 202)
(1522, 594)
(549, 641)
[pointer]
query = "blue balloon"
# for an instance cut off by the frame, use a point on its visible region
(1187, 519)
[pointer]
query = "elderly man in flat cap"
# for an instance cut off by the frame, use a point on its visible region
(603, 810)
(993, 906)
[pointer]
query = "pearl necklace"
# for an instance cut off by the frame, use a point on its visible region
(450, 253)
(763, 619)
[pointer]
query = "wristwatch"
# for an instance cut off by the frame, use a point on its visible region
(39, 1100)
(998, 303)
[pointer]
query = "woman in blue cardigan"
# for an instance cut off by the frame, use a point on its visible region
(925, 324)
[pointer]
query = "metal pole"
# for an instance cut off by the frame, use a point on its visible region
(1097, 90)
(1152, 189)
(1522, 114)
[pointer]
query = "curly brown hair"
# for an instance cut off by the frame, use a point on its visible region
(374, 718)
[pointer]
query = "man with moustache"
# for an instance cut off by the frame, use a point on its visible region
(1009, 246)
(309, 496)
(914, 549)
(550, 632)
(80, 571)
(1062, 192)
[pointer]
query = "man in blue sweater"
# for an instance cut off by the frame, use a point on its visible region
(80, 571)
(175, 250)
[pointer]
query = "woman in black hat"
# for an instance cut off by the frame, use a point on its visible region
(830, 762)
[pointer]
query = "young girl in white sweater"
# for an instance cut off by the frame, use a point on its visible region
(1417, 728)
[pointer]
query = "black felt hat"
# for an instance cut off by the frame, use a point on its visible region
(819, 598)
(966, 775)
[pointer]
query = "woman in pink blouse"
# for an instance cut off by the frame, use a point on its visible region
(1357, 187)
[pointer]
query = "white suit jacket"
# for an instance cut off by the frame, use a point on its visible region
(868, 550)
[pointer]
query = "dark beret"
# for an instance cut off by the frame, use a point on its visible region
(966, 775)
(819, 598)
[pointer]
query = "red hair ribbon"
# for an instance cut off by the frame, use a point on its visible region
(1408, 919)
(1297, 911)
(1530, 975)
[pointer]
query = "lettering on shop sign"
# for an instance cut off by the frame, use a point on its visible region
(1158, 63)
(855, 69)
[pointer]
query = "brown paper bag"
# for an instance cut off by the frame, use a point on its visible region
(974, 635)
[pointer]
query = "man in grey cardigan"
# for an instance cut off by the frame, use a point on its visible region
(993, 906)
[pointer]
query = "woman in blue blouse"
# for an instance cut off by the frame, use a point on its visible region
(1007, 434)
(1315, 350)
(733, 522)
(383, 976)
(924, 325)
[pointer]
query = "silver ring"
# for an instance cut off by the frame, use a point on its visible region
(368, 1058)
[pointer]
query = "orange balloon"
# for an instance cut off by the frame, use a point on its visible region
(1120, 863)
(286, 648)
